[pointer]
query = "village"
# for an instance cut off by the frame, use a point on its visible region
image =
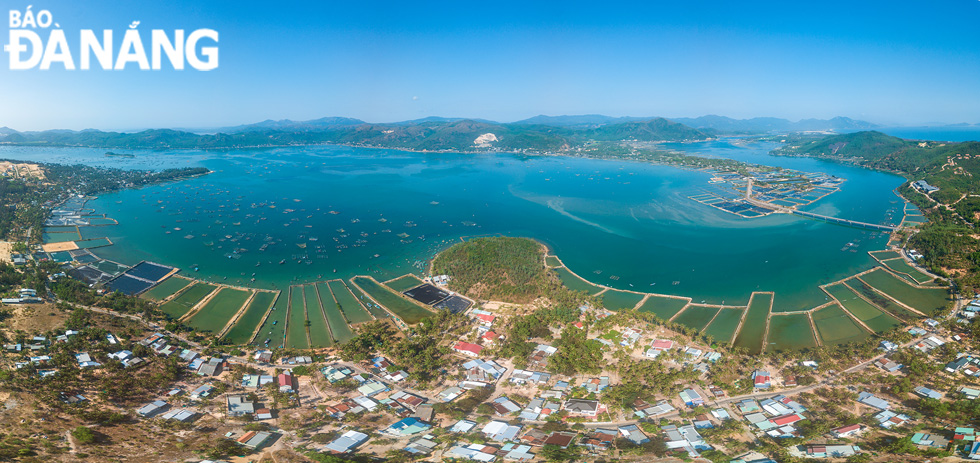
(484, 408)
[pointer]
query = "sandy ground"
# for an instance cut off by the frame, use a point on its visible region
(5, 249)
(64, 246)
(22, 170)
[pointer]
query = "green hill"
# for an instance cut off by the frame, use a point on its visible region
(948, 241)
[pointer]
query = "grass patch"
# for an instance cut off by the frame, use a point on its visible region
(889, 306)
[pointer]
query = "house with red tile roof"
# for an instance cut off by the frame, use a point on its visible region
(467, 348)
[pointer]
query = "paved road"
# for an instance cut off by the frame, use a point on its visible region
(717, 403)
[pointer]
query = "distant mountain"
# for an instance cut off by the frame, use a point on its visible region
(724, 124)
(436, 134)
(426, 120)
(287, 124)
(585, 120)
(658, 129)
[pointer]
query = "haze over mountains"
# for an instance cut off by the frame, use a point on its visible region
(540, 133)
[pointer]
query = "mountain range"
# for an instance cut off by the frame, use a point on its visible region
(539, 133)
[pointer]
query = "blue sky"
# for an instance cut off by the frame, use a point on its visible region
(894, 63)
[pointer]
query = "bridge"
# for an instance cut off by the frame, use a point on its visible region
(827, 218)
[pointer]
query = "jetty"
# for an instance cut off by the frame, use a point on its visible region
(826, 218)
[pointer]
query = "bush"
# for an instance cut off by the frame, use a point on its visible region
(83, 435)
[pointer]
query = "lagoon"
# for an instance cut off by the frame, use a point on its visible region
(330, 212)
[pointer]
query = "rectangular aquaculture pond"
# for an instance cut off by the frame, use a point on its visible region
(928, 301)
(368, 304)
(619, 300)
(338, 325)
(410, 312)
(663, 307)
(901, 266)
(696, 316)
(404, 283)
(753, 331)
(245, 326)
(575, 283)
(165, 288)
(835, 327)
(723, 327)
(319, 333)
(180, 305)
(296, 326)
(352, 309)
(219, 310)
(875, 318)
(790, 332)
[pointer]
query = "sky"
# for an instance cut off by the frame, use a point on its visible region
(892, 63)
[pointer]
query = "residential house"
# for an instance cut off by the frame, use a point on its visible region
(643, 409)
(600, 439)
(501, 431)
(887, 365)
(831, 450)
(239, 405)
(930, 440)
(515, 452)
(633, 434)
(844, 432)
(463, 426)
(691, 398)
(889, 419)
(450, 393)
(469, 349)
(347, 442)
(927, 393)
(504, 406)
(474, 452)
(597, 385)
(287, 382)
(969, 393)
(202, 391)
(407, 427)
(582, 407)
(151, 409)
(872, 400)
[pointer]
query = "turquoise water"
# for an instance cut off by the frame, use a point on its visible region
(396, 210)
